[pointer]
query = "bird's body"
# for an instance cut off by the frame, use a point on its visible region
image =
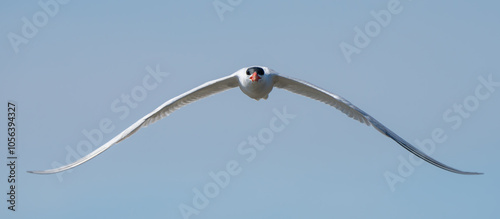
(260, 86)
(256, 82)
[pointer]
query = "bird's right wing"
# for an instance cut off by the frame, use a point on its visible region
(202, 91)
(311, 91)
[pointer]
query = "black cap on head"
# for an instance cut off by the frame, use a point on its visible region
(259, 70)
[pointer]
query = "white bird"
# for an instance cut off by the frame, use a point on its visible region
(256, 82)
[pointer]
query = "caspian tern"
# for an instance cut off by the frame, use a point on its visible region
(256, 82)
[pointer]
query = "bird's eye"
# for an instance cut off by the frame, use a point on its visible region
(248, 71)
(260, 72)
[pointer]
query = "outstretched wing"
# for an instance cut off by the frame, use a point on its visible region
(311, 91)
(202, 91)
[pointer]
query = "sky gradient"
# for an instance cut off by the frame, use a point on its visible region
(81, 72)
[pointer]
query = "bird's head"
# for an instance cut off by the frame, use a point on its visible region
(255, 73)
(256, 81)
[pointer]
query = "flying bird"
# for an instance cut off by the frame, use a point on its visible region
(256, 82)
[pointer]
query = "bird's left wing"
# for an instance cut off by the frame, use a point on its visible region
(311, 91)
(202, 91)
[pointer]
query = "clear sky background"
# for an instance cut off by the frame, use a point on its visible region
(413, 74)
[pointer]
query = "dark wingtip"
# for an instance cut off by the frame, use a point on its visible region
(34, 172)
(471, 173)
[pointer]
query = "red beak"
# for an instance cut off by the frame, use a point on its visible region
(254, 77)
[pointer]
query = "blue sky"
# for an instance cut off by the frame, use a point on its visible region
(423, 72)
